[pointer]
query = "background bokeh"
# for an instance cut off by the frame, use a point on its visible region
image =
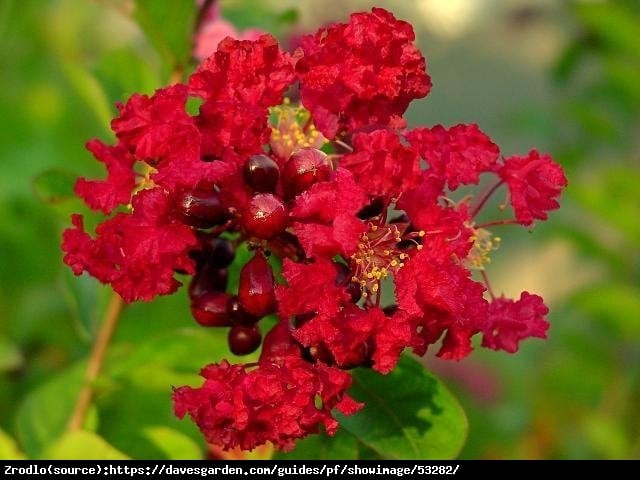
(563, 77)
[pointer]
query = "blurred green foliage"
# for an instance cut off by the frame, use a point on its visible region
(578, 396)
(66, 62)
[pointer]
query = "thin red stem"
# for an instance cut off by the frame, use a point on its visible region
(488, 285)
(495, 223)
(485, 198)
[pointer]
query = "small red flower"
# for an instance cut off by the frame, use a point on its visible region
(136, 253)
(361, 73)
(511, 321)
(382, 165)
(274, 402)
(458, 154)
(535, 182)
(325, 216)
(250, 72)
(105, 195)
(442, 299)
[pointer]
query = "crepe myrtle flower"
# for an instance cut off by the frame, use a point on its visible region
(378, 250)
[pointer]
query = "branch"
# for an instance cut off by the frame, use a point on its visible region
(96, 360)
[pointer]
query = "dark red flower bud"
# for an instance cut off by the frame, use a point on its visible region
(304, 168)
(265, 217)
(256, 287)
(210, 310)
(202, 209)
(239, 316)
(215, 250)
(261, 173)
(208, 278)
(244, 340)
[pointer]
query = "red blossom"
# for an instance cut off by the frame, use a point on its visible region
(230, 124)
(511, 321)
(364, 72)
(458, 154)
(116, 189)
(445, 225)
(159, 131)
(535, 182)
(254, 73)
(382, 165)
(325, 216)
(275, 402)
(442, 299)
(136, 253)
(310, 288)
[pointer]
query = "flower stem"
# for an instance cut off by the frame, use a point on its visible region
(488, 285)
(496, 223)
(96, 360)
(485, 197)
(344, 145)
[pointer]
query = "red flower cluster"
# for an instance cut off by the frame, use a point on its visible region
(363, 220)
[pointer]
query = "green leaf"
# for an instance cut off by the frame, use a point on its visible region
(54, 185)
(83, 445)
(8, 448)
(615, 305)
(614, 24)
(185, 350)
(90, 91)
(342, 446)
(168, 24)
(10, 355)
(43, 415)
(408, 414)
(175, 445)
(613, 184)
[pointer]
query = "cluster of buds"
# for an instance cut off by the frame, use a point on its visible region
(357, 214)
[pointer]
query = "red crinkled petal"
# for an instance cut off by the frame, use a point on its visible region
(253, 72)
(535, 182)
(446, 225)
(441, 297)
(158, 130)
(324, 216)
(232, 125)
(137, 253)
(394, 334)
(365, 72)
(154, 128)
(458, 154)
(381, 164)
(355, 335)
(275, 402)
(311, 288)
(105, 195)
(511, 321)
